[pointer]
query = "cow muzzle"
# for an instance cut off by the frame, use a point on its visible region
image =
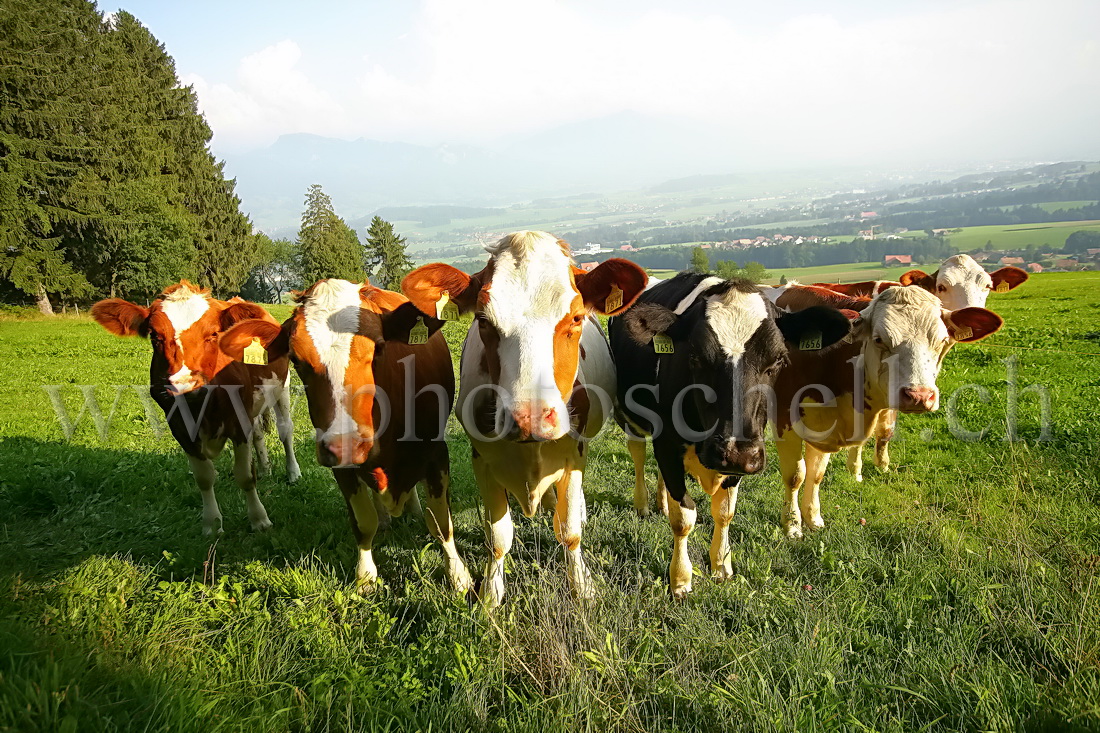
(534, 422)
(735, 457)
(916, 399)
(342, 451)
(186, 384)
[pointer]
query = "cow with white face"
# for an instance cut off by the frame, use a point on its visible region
(378, 400)
(537, 380)
(960, 282)
(831, 399)
(207, 397)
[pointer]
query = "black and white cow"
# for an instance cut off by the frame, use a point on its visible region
(705, 399)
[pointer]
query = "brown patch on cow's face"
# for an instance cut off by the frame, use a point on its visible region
(567, 341)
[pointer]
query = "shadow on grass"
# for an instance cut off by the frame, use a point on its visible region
(62, 503)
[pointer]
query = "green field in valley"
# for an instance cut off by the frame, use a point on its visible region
(1017, 236)
(957, 592)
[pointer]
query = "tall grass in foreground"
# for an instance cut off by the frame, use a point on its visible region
(968, 600)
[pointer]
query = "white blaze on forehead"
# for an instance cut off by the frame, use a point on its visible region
(910, 323)
(332, 319)
(966, 283)
(687, 300)
(531, 292)
(734, 317)
(183, 308)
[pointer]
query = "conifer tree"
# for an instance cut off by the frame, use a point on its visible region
(328, 247)
(387, 259)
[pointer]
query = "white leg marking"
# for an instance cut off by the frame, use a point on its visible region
(568, 522)
(205, 475)
(246, 479)
(641, 496)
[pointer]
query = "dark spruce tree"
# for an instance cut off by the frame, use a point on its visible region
(327, 246)
(386, 256)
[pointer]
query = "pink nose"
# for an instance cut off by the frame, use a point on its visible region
(345, 450)
(916, 399)
(539, 424)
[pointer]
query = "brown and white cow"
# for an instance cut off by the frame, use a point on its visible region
(207, 397)
(378, 405)
(960, 282)
(537, 381)
(831, 399)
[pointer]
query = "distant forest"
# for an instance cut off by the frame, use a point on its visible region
(107, 184)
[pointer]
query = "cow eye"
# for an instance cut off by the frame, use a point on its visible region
(941, 288)
(578, 319)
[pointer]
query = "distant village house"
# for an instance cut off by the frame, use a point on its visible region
(897, 260)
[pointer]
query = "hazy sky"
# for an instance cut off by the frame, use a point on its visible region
(814, 79)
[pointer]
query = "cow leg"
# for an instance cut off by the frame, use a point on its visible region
(246, 479)
(438, 519)
(884, 432)
(816, 461)
(205, 475)
(569, 518)
(259, 446)
(681, 515)
(285, 426)
(662, 494)
(793, 471)
(498, 530)
(641, 496)
(855, 461)
(364, 524)
(412, 504)
(723, 503)
(549, 500)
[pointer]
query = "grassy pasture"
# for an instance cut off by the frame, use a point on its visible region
(1017, 236)
(966, 601)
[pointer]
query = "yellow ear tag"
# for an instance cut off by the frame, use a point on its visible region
(445, 310)
(810, 342)
(663, 344)
(255, 353)
(614, 300)
(962, 334)
(418, 334)
(1002, 287)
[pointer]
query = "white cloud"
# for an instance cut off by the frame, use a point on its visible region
(812, 85)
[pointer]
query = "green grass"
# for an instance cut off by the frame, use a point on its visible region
(1051, 235)
(967, 601)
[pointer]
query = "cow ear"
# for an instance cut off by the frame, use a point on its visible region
(967, 325)
(240, 310)
(611, 287)
(920, 279)
(121, 317)
(398, 324)
(275, 339)
(1007, 278)
(425, 285)
(830, 323)
(646, 320)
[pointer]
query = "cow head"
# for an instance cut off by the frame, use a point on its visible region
(531, 305)
(906, 333)
(333, 338)
(183, 326)
(963, 283)
(733, 340)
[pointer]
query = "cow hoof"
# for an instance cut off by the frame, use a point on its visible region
(293, 475)
(213, 529)
(461, 580)
(262, 526)
(794, 533)
(365, 586)
(858, 477)
(642, 511)
(681, 592)
(815, 524)
(722, 574)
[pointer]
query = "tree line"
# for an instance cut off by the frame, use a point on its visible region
(108, 187)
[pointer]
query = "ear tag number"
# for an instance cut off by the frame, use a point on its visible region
(614, 300)
(1002, 286)
(255, 353)
(810, 342)
(418, 334)
(962, 334)
(663, 344)
(445, 310)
